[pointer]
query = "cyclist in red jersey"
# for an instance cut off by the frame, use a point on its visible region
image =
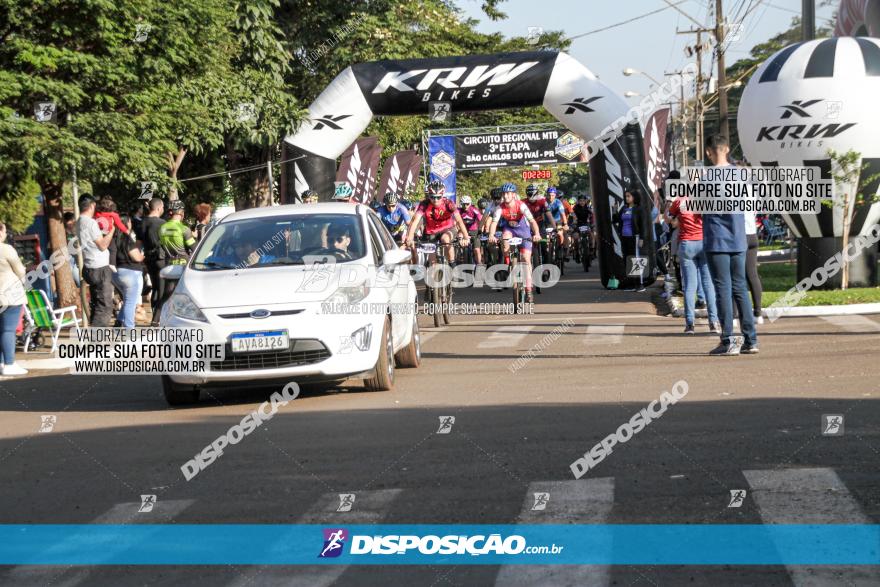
(441, 220)
(514, 219)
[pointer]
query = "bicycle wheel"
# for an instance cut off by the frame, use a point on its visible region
(585, 253)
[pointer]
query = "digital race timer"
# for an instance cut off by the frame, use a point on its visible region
(536, 174)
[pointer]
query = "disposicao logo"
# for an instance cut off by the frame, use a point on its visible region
(334, 541)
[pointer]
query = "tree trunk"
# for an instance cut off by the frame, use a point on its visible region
(252, 186)
(174, 162)
(67, 291)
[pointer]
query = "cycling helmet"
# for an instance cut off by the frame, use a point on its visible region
(496, 194)
(508, 187)
(175, 206)
(435, 190)
(582, 197)
(572, 201)
(391, 199)
(482, 203)
(309, 196)
(465, 201)
(551, 190)
(532, 190)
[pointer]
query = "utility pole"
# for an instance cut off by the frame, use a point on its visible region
(697, 50)
(808, 20)
(682, 113)
(723, 124)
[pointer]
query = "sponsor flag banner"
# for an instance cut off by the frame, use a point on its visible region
(369, 191)
(397, 175)
(439, 544)
(656, 151)
(441, 158)
(356, 166)
(517, 149)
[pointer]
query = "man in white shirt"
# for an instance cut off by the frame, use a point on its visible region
(96, 262)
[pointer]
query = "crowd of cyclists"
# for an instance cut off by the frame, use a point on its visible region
(542, 228)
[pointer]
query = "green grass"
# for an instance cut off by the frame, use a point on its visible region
(778, 278)
(774, 246)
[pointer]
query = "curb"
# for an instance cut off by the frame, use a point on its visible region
(775, 253)
(676, 309)
(48, 364)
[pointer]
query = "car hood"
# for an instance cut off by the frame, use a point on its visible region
(265, 286)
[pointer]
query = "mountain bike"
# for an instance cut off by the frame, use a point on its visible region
(438, 295)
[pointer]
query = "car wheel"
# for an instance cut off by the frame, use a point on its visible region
(411, 356)
(177, 394)
(383, 380)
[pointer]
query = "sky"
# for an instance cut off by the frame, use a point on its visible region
(649, 44)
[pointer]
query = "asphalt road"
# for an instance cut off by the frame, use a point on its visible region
(598, 357)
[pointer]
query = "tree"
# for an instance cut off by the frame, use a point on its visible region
(105, 67)
(846, 171)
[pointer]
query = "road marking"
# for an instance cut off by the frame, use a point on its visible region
(604, 334)
(549, 317)
(427, 335)
(164, 511)
(370, 507)
(505, 337)
(853, 323)
(811, 496)
(570, 502)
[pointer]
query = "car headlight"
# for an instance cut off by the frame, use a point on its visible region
(182, 306)
(349, 294)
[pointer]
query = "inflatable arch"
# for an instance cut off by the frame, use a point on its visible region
(567, 89)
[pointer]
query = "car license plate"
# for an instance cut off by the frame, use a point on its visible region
(248, 342)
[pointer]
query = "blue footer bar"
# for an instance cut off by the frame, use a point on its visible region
(615, 544)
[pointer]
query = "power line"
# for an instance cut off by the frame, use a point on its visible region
(240, 170)
(611, 26)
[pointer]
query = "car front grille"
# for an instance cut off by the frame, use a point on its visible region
(307, 351)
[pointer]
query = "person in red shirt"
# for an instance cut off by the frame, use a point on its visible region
(441, 220)
(694, 265)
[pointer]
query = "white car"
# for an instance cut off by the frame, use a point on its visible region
(305, 293)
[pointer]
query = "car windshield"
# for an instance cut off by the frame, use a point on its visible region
(281, 240)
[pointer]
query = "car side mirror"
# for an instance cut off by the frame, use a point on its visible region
(396, 257)
(172, 272)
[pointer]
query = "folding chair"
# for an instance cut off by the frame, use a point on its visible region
(44, 316)
(772, 231)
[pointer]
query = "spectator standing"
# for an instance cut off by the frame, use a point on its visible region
(12, 298)
(129, 278)
(177, 242)
(203, 220)
(629, 223)
(154, 255)
(755, 287)
(694, 267)
(70, 231)
(724, 240)
(96, 262)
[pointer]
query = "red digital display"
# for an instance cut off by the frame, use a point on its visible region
(536, 174)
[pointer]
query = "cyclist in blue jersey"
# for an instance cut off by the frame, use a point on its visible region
(394, 216)
(557, 211)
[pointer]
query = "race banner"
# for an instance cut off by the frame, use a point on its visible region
(656, 151)
(517, 149)
(441, 153)
(397, 175)
(359, 165)
(372, 173)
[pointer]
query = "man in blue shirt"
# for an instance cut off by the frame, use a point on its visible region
(395, 216)
(724, 242)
